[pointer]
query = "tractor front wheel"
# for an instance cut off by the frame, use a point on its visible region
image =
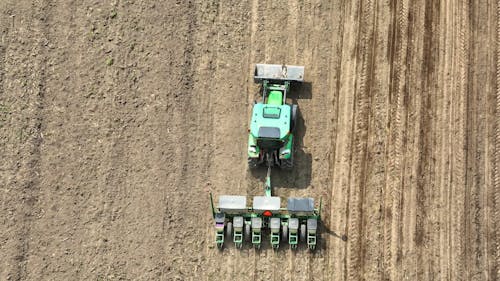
(293, 117)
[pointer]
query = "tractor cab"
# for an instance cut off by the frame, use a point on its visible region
(270, 125)
(271, 120)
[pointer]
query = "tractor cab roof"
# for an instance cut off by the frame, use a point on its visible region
(267, 116)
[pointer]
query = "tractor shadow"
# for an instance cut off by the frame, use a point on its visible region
(300, 91)
(300, 175)
(324, 233)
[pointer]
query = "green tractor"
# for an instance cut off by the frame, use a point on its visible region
(270, 138)
(270, 143)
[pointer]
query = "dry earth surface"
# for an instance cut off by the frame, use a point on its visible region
(117, 118)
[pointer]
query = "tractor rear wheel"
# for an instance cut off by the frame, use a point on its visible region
(293, 117)
(253, 163)
(287, 164)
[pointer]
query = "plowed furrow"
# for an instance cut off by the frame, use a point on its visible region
(394, 184)
(496, 156)
(359, 142)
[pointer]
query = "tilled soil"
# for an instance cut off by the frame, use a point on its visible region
(118, 118)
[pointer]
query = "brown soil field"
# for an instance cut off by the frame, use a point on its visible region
(117, 118)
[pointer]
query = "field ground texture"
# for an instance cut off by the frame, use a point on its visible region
(117, 118)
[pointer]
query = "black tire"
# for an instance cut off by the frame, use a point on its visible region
(302, 234)
(287, 164)
(293, 121)
(253, 163)
(229, 229)
(284, 233)
(248, 232)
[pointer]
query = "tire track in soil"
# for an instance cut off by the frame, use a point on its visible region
(179, 131)
(206, 86)
(5, 121)
(31, 182)
(19, 133)
(4, 111)
(191, 125)
(412, 140)
(51, 236)
(496, 156)
(198, 129)
(427, 227)
(443, 141)
(334, 215)
(489, 102)
(479, 88)
(439, 230)
(115, 189)
(477, 145)
(362, 104)
(410, 107)
(397, 53)
(232, 258)
(376, 159)
(209, 16)
(369, 195)
(312, 180)
(423, 140)
(450, 110)
(343, 146)
(459, 161)
(229, 168)
(443, 168)
(465, 127)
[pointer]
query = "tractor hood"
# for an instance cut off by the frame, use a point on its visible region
(270, 121)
